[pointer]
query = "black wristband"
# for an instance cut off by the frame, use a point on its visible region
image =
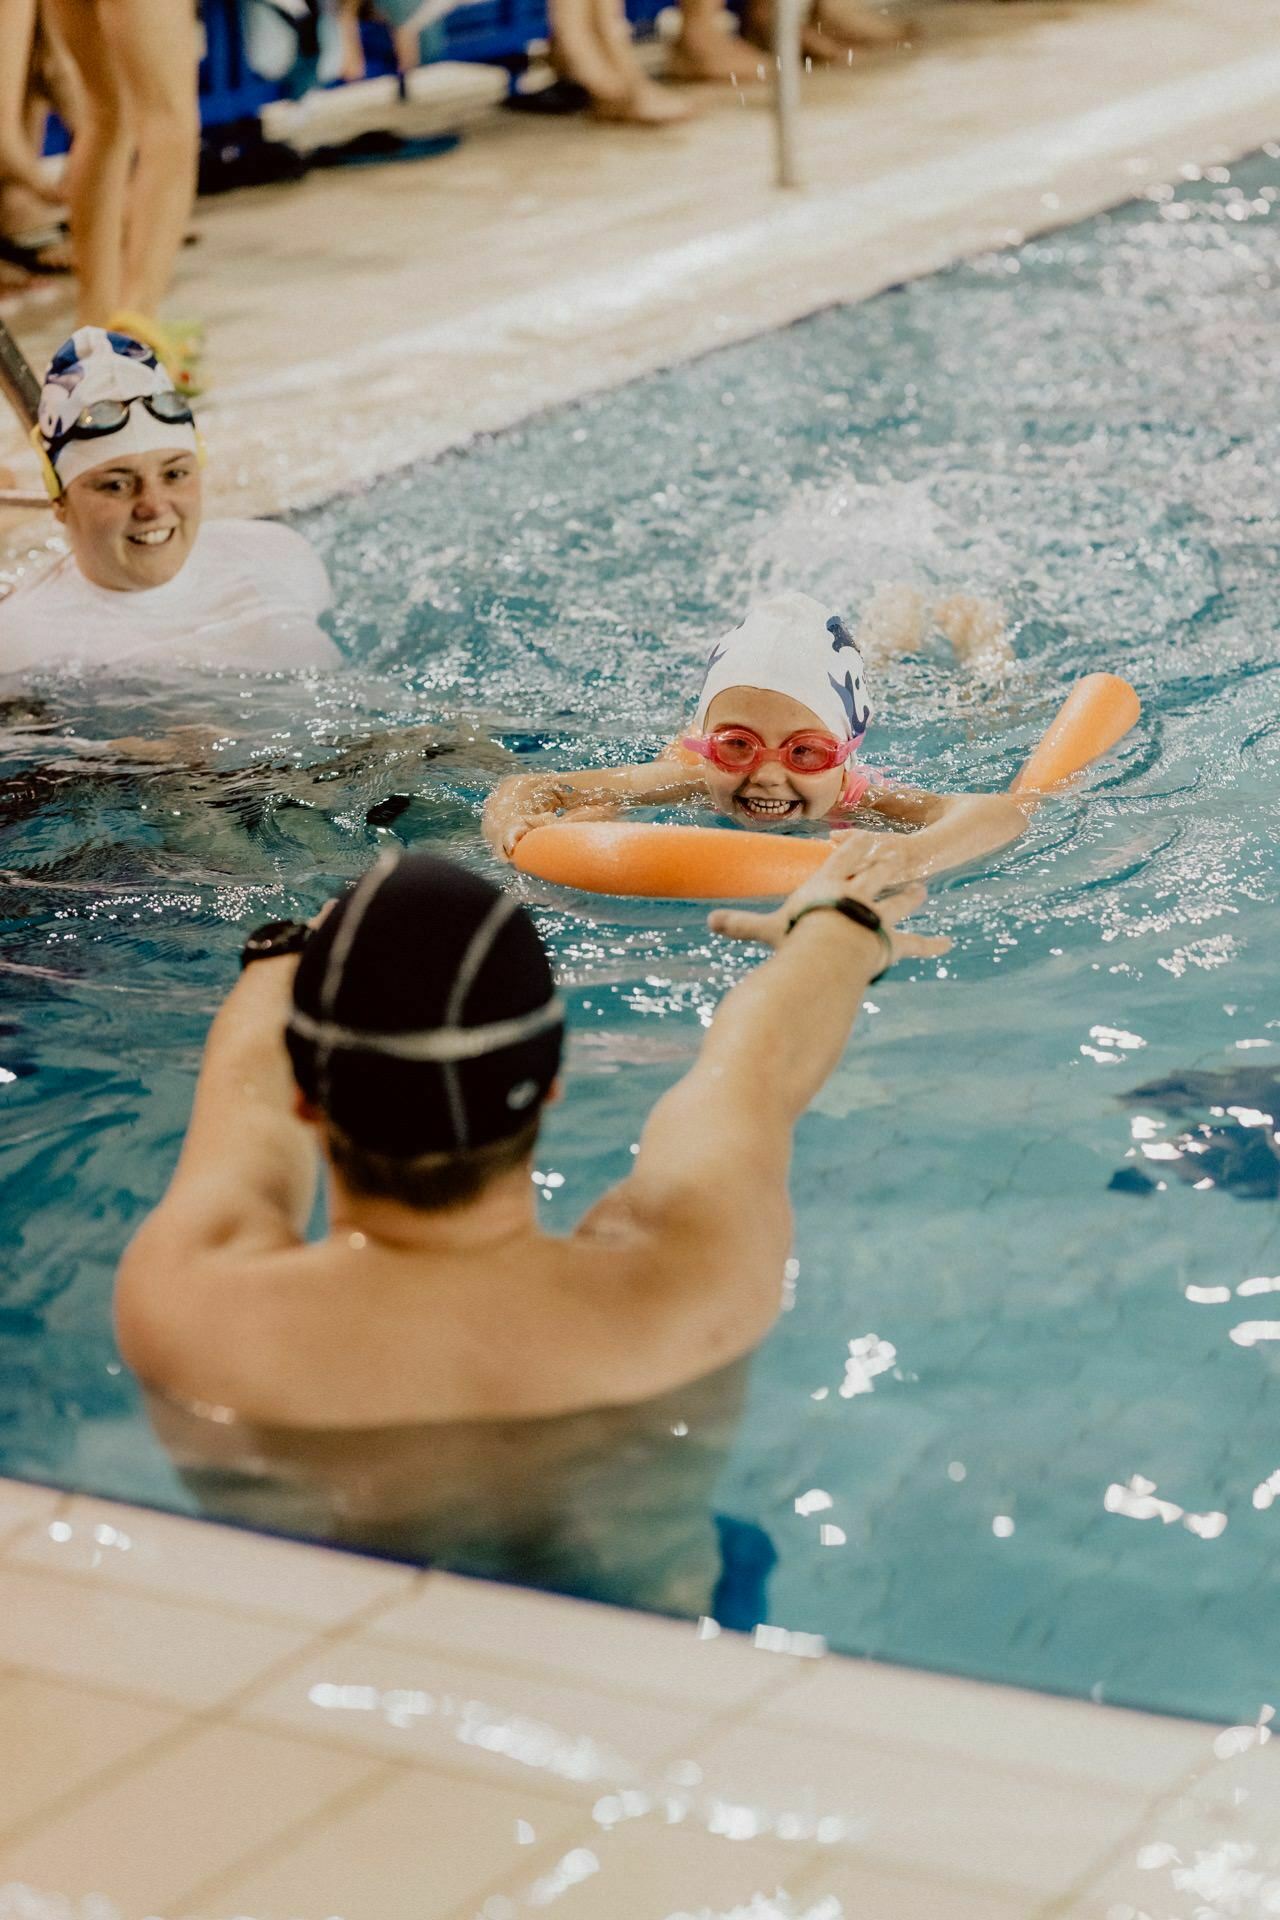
(862, 916)
(272, 939)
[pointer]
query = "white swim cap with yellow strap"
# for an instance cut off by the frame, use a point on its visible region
(95, 369)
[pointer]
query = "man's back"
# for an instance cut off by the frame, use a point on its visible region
(416, 1040)
(353, 1332)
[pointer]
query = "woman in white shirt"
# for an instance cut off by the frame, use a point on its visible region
(148, 583)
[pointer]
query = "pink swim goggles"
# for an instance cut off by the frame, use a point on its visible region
(741, 750)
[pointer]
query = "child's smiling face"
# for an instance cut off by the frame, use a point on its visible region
(771, 795)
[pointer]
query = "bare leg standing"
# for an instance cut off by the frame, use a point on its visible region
(591, 44)
(97, 175)
(705, 51)
(644, 102)
(131, 175)
(19, 161)
(153, 49)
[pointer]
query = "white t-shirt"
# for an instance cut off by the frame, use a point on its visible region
(248, 596)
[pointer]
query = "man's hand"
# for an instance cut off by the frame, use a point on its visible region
(850, 871)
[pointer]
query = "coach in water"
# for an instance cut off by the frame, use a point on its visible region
(409, 1043)
(149, 582)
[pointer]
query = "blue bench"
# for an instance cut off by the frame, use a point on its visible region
(493, 31)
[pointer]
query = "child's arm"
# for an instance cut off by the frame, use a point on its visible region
(947, 829)
(528, 800)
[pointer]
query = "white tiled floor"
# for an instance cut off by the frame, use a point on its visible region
(198, 1721)
(494, 1722)
(570, 1643)
(438, 1843)
(163, 1824)
(867, 1892)
(181, 1741)
(20, 1505)
(995, 1727)
(80, 1630)
(65, 1735)
(1027, 1833)
(171, 1560)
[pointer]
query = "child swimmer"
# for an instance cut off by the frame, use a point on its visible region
(779, 722)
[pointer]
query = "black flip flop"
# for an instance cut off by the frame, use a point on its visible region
(562, 96)
(379, 145)
(15, 253)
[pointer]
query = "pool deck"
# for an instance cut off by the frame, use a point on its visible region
(196, 1721)
(361, 320)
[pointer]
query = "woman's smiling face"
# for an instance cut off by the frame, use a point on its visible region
(132, 521)
(771, 795)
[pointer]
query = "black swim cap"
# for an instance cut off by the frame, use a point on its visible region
(425, 1016)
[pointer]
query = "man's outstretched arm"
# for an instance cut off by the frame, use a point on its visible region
(716, 1151)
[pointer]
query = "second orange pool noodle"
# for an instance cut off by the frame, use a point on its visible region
(717, 863)
(1098, 711)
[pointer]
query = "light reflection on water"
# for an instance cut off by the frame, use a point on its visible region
(1093, 441)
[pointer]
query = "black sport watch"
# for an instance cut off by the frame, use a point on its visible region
(861, 915)
(273, 938)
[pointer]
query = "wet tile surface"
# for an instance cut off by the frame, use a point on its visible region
(21, 1506)
(424, 1707)
(1208, 1851)
(912, 1809)
(865, 1889)
(417, 1847)
(582, 1644)
(180, 1655)
(961, 1719)
(179, 1559)
(647, 1869)
(56, 1739)
(378, 1777)
(162, 1827)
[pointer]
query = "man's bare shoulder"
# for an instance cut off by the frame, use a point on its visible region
(344, 1333)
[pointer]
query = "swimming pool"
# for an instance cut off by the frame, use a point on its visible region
(1046, 1455)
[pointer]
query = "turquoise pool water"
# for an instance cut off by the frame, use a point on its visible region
(1056, 1288)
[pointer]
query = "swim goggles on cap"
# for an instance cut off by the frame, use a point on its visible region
(109, 416)
(741, 750)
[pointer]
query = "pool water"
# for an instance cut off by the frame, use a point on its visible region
(1020, 1418)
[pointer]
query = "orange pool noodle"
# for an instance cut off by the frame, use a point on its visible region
(1098, 711)
(668, 863)
(715, 863)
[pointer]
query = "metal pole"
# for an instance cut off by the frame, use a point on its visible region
(787, 18)
(17, 382)
(22, 390)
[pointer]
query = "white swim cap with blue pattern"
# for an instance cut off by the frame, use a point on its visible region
(791, 644)
(92, 366)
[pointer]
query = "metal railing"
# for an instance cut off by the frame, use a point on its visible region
(788, 19)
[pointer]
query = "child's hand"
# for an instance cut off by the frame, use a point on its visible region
(183, 746)
(887, 859)
(527, 801)
(512, 809)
